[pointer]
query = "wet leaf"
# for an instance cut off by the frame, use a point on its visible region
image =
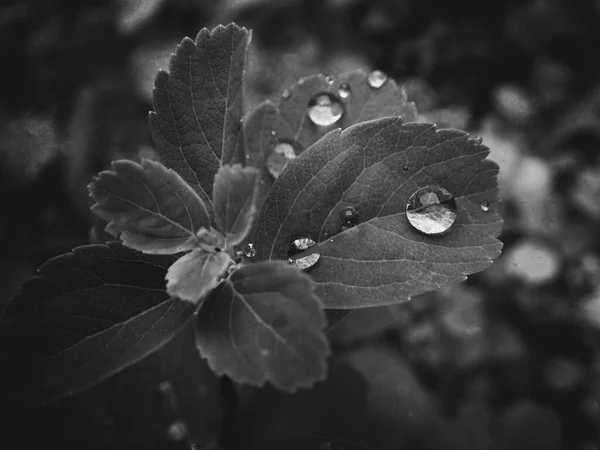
(151, 208)
(235, 192)
(375, 167)
(198, 106)
(195, 274)
(264, 323)
(86, 316)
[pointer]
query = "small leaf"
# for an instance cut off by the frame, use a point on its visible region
(234, 197)
(195, 274)
(198, 106)
(264, 323)
(375, 167)
(151, 208)
(86, 316)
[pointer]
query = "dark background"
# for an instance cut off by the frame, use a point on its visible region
(509, 359)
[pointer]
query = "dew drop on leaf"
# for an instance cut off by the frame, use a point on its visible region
(250, 251)
(297, 251)
(177, 431)
(485, 206)
(325, 109)
(431, 210)
(344, 90)
(330, 80)
(376, 79)
(286, 94)
(349, 217)
(282, 154)
(405, 168)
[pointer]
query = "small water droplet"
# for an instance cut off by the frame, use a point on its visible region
(325, 109)
(299, 246)
(349, 217)
(485, 206)
(344, 90)
(376, 79)
(405, 168)
(330, 79)
(279, 158)
(250, 251)
(326, 232)
(431, 210)
(273, 133)
(286, 94)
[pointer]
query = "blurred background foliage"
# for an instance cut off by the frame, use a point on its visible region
(509, 359)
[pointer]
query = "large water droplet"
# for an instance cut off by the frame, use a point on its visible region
(344, 90)
(286, 94)
(485, 206)
(296, 251)
(325, 109)
(431, 210)
(250, 251)
(349, 217)
(282, 154)
(376, 79)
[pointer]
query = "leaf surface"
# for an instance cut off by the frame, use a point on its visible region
(151, 208)
(198, 106)
(234, 196)
(87, 315)
(195, 274)
(375, 167)
(264, 323)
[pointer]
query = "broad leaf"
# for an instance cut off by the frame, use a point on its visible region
(234, 196)
(265, 323)
(195, 274)
(375, 167)
(198, 106)
(87, 315)
(151, 208)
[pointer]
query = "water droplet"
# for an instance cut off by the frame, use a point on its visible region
(344, 90)
(431, 210)
(273, 133)
(282, 154)
(325, 109)
(250, 251)
(326, 232)
(298, 247)
(300, 81)
(286, 94)
(330, 79)
(376, 79)
(349, 217)
(485, 206)
(405, 168)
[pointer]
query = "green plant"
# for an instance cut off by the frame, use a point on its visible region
(253, 226)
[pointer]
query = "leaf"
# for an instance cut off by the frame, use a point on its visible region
(151, 208)
(195, 274)
(86, 316)
(264, 323)
(383, 260)
(234, 196)
(198, 106)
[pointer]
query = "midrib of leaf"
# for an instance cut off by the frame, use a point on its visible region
(118, 325)
(226, 99)
(259, 319)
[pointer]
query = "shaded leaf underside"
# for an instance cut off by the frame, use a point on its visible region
(88, 314)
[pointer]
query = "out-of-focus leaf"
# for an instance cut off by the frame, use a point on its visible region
(264, 323)
(151, 208)
(234, 194)
(375, 167)
(195, 274)
(198, 106)
(86, 316)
